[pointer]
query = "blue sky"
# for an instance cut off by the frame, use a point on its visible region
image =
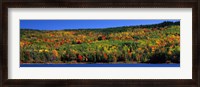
(82, 24)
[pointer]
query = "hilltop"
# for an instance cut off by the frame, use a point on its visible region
(121, 28)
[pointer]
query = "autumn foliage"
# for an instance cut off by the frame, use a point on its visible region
(111, 45)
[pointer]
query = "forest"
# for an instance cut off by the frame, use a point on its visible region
(151, 44)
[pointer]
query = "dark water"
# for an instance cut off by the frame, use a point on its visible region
(99, 65)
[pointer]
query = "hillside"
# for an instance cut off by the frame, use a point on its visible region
(157, 43)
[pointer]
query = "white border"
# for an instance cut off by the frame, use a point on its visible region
(183, 72)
